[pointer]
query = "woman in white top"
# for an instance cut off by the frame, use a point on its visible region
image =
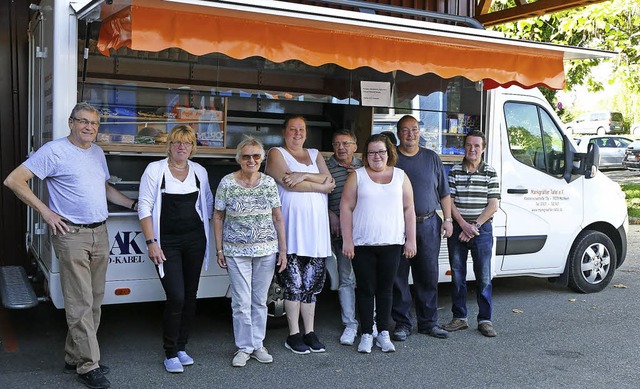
(303, 183)
(175, 206)
(378, 225)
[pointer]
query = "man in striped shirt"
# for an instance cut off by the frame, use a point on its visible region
(340, 165)
(475, 193)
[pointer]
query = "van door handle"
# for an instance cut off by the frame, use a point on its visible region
(518, 191)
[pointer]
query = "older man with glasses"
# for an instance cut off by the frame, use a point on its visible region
(341, 164)
(430, 191)
(75, 171)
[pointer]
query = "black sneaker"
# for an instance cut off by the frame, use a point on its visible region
(313, 342)
(400, 334)
(436, 332)
(71, 369)
(94, 379)
(296, 344)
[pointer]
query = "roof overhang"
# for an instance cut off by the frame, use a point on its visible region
(280, 31)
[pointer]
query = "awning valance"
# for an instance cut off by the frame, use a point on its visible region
(414, 47)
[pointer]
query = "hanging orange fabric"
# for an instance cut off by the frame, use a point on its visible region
(202, 31)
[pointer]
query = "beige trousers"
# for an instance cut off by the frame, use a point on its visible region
(83, 254)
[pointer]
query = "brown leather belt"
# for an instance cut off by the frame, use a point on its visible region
(92, 225)
(426, 216)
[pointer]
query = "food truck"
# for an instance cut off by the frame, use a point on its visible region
(234, 68)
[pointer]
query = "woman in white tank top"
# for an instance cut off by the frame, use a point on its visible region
(378, 225)
(303, 181)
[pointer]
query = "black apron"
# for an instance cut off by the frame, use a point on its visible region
(178, 214)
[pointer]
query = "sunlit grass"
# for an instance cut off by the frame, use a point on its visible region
(633, 199)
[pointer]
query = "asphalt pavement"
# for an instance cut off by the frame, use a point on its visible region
(548, 337)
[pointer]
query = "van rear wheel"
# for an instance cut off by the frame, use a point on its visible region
(592, 262)
(600, 131)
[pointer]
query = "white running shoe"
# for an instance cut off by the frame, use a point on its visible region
(366, 342)
(240, 359)
(384, 342)
(348, 336)
(262, 355)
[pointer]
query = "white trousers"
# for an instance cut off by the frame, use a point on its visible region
(250, 278)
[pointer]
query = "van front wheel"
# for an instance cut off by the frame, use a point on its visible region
(592, 262)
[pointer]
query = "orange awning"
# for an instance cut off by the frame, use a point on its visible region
(414, 47)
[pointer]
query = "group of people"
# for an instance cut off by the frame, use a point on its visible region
(389, 225)
(377, 214)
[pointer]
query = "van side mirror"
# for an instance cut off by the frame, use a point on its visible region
(586, 164)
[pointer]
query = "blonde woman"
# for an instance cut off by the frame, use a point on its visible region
(175, 205)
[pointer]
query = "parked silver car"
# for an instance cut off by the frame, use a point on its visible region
(597, 122)
(612, 149)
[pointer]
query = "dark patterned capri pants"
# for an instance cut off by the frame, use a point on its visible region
(303, 278)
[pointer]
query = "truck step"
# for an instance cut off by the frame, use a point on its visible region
(15, 288)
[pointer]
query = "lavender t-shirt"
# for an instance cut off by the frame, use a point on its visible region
(75, 179)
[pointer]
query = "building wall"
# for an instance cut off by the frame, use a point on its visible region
(13, 125)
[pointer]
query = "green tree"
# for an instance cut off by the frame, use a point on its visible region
(612, 25)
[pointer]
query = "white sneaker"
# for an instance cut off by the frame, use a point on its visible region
(173, 365)
(366, 342)
(262, 355)
(374, 333)
(384, 342)
(348, 336)
(240, 359)
(185, 359)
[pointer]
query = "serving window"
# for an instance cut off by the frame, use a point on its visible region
(142, 95)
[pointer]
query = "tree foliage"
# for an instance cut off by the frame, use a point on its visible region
(611, 25)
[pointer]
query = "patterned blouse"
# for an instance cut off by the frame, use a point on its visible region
(248, 229)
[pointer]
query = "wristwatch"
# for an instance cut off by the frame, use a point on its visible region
(448, 219)
(478, 226)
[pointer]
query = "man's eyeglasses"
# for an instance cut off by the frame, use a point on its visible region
(344, 144)
(406, 130)
(380, 153)
(86, 122)
(248, 157)
(181, 144)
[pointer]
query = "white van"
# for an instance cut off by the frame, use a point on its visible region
(558, 217)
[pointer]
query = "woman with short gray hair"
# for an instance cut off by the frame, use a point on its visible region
(249, 230)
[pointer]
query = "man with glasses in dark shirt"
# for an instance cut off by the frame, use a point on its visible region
(430, 191)
(75, 171)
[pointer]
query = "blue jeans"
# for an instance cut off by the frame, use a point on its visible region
(424, 269)
(481, 248)
(346, 286)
